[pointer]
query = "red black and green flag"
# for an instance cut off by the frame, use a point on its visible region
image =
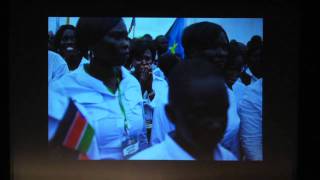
(74, 131)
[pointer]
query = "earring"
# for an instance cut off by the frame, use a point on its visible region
(91, 54)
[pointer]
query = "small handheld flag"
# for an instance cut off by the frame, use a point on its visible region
(74, 130)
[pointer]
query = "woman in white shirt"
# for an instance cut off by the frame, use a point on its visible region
(110, 95)
(64, 43)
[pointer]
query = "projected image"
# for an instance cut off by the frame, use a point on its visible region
(136, 88)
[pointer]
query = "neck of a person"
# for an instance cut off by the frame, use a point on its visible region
(74, 63)
(195, 152)
(107, 74)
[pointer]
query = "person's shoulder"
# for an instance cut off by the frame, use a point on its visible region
(129, 78)
(56, 58)
(68, 80)
(222, 154)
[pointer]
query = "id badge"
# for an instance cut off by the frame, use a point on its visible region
(130, 146)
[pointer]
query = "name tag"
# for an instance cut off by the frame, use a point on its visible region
(130, 146)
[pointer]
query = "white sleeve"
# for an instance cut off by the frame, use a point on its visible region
(161, 125)
(250, 129)
(57, 67)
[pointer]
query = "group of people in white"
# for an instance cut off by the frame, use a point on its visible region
(146, 103)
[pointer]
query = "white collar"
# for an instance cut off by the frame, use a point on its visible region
(89, 81)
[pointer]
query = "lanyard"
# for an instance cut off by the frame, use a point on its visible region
(126, 126)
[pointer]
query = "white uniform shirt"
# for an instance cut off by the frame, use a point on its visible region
(104, 109)
(250, 112)
(161, 89)
(253, 77)
(238, 89)
(170, 150)
(57, 67)
(162, 125)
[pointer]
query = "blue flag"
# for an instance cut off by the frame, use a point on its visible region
(174, 36)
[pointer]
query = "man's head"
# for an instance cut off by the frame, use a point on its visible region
(167, 62)
(141, 54)
(161, 44)
(234, 63)
(209, 37)
(105, 38)
(198, 104)
(254, 55)
(147, 37)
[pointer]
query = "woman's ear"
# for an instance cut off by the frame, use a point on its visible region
(170, 113)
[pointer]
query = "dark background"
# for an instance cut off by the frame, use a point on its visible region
(28, 30)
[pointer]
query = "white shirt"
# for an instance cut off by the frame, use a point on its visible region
(170, 150)
(238, 89)
(57, 67)
(103, 108)
(161, 89)
(253, 77)
(162, 125)
(250, 112)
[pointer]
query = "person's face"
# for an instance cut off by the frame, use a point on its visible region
(233, 71)
(163, 44)
(200, 120)
(254, 62)
(219, 52)
(67, 43)
(113, 49)
(143, 62)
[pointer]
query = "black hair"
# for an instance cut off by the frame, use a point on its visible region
(254, 44)
(233, 52)
(147, 37)
(166, 62)
(139, 46)
(184, 73)
(160, 36)
(57, 38)
(201, 36)
(90, 30)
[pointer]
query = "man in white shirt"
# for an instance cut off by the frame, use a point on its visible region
(198, 104)
(57, 67)
(250, 106)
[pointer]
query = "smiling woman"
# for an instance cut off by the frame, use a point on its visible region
(65, 45)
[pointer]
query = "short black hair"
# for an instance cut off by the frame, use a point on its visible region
(167, 62)
(160, 36)
(254, 44)
(57, 38)
(90, 30)
(185, 72)
(201, 36)
(139, 46)
(234, 51)
(147, 36)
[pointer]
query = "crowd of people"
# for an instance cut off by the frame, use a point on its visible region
(143, 102)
